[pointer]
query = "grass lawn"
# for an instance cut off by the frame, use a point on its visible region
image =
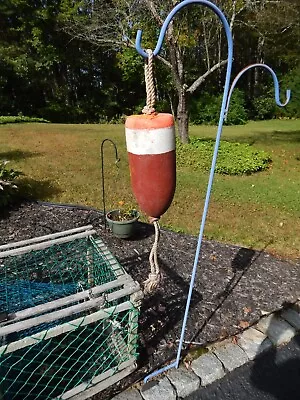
(260, 211)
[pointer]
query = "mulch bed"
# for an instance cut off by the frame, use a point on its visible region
(234, 287)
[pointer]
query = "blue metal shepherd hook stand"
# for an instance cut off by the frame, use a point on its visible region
(223, 113)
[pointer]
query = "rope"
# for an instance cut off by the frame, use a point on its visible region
(154, 277)
(150, 88)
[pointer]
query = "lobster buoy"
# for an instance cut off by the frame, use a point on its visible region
(150, 141)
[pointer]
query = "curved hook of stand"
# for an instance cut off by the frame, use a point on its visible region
(275, 80)
(165, 25)
(102, 173)
(214, 159)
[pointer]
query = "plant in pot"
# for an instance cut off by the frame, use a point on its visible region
(122, 221)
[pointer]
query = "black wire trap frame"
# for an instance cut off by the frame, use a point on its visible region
(68, 317)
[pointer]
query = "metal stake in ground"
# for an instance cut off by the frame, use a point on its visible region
(102, 173)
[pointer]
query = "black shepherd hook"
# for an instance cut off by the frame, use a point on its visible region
(102, 171)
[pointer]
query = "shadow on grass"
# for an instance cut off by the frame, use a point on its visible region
(16, 155)
(31, 189)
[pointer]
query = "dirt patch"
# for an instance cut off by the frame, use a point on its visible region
(234, 285)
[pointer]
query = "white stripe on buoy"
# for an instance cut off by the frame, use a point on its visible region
(150, 141)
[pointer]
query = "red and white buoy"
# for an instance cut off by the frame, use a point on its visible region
(150, 140)
(150, 143)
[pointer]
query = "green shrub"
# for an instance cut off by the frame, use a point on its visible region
(233, 158)
(206, 109)
(14, 119)
(291, 81)
(264, 107)
(8, 185)
(237, 114)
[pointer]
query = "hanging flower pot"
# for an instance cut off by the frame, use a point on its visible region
(122, 223)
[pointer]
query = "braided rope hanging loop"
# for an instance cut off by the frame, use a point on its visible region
(150, 87)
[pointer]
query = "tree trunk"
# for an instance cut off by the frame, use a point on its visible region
(183, 116)
(259, 59)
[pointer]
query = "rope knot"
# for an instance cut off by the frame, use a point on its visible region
(152, 282)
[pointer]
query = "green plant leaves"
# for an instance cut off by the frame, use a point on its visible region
(14, 119)
(7, 182)
(233, 158)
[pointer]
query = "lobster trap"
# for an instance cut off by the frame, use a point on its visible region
(69, 317)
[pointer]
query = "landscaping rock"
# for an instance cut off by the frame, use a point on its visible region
(131, 394)
(208, 368)
(277, 330)
(184, 381)
(253, 342)
(162, 390)
(231, 356)
(292, 317)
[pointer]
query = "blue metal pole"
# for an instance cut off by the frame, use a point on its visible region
(169, 18)
(214, 160)
(275, 80)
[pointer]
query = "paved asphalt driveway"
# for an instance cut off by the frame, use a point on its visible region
(273, 376)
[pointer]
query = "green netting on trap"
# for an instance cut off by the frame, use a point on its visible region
(40, 276)
(70, 321)
(51, 367)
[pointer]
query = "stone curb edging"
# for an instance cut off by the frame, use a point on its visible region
(275, 329)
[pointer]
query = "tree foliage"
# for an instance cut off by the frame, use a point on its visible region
(74, 60)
